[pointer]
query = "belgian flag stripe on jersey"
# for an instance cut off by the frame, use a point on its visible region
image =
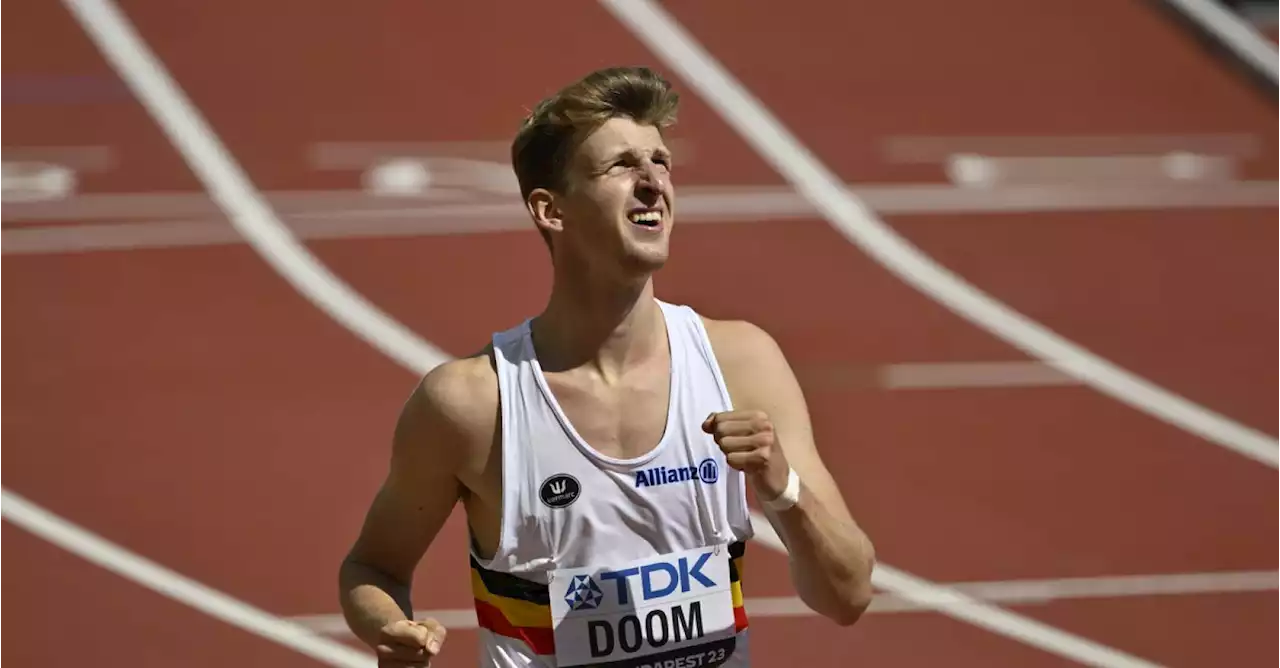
(513, 607)
(737, 551)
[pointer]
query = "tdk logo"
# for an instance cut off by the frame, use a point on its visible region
(659, 579)
(707, 471)
(583, 593)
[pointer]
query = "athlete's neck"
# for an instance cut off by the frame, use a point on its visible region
(608, 326)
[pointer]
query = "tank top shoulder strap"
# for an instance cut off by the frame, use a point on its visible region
(512, 354)
(510, 346)
(689, 333)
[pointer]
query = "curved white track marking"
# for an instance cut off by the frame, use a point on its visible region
(153, 576)
(757, 126)
(1250, 45)
(231, 189)
(228, 185)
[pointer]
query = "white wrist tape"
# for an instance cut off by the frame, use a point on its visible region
(789, 496)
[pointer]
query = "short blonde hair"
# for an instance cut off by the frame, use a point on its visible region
(558, 124)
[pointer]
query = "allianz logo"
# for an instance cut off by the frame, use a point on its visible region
(707, 472)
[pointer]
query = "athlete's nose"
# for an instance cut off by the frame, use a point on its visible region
(652, 184)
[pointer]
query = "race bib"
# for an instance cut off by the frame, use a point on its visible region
(672, 611)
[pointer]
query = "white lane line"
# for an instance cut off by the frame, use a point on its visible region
(213, 163)
(956, 375)
(1016, 592)
(721, 202)
(153, 576)
(653, 26)
(1235, 31)
(912, 376)
(1123, 586)
(355, 215)
(935, 149)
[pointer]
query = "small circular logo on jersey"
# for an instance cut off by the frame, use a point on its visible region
(559, 490)
(708, 471)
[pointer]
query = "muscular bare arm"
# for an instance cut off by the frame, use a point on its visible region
(429, 447)
(831, 558)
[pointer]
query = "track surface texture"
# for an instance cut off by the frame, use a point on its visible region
(1091, 165)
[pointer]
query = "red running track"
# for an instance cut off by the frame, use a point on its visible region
(188, 404)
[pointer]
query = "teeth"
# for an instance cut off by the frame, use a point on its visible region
(646, 217)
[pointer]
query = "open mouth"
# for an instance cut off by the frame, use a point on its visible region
(646, 218)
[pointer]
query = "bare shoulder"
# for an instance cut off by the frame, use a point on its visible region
(462, 389)
(453, 407)
(750, 360)
(734, 338)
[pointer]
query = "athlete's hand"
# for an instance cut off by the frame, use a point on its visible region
(751, 445)
(407, 643)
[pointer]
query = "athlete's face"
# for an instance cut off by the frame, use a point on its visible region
(617, 211)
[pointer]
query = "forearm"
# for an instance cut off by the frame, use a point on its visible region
(371, 599)
(831, 558)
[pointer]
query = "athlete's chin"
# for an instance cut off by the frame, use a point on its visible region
(647, 258)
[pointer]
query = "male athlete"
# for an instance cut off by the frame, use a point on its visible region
(602, 449)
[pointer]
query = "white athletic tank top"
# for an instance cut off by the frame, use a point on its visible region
(602, 561)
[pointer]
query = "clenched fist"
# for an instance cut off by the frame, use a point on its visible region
(750, 445)
(407, 643)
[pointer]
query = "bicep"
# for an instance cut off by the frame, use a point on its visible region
(417, 495)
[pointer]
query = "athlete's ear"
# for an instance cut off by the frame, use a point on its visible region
(545, 211)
